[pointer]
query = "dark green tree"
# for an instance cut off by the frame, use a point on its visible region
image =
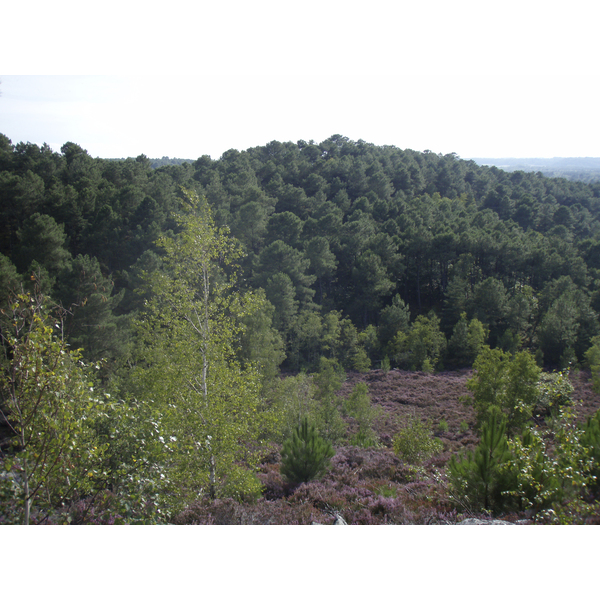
(305, 455)
(42, 239)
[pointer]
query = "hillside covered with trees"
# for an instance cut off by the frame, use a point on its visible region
(149, 309)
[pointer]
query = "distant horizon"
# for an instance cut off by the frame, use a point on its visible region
(57, 145)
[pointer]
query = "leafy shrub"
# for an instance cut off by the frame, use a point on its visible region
(552, 468)
(423, 347)
(443, 426)
(590, 439)
(328, 381)
(592, 357)
(554, 390)
(358, 406)
(415, 443)
(506, 383)
(385, 364)
(305, 455)
(241, 484)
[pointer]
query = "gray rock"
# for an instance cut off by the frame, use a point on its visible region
(482, 522)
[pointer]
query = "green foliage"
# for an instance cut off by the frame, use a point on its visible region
(504, 383)
(294, 400)
(358, 406)
(42, 239)
(468, 339)
(592, 357)
(329, 420)
(443, 426)
(385, 364)
(369, 232)
(424, 345)
(477, 478)
(48, 401)
(91, 322)
(189, 372)
(590, 439)
(553, 467)
(9, 279)
(305, 455)
(554, 390)
(415, 442)
(260, 343)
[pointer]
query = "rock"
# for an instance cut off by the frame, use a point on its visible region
(482, 522)
(339, 520)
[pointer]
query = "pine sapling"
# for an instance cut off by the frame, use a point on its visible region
(305, 454)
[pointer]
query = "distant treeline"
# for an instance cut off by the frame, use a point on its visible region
(577, 169)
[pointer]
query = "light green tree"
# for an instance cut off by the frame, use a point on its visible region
(49, 406)
(358, 406)
(505, 383)
(468, 338)
(328, 381)
(211, 406)
(415, 442)
(592, 357)
(477, 478)
(424, 345)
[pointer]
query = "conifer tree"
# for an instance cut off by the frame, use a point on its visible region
(477, 477)
(305, 454)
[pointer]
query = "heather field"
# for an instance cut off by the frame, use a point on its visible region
(371, 486)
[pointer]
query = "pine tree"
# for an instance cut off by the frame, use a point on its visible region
(478, 476)
(305, 454)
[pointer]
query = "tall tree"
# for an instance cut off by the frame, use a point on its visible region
(210, 403)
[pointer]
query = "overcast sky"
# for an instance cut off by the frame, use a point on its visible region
(184, 79)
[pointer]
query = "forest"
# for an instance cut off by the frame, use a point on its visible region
(201, 341)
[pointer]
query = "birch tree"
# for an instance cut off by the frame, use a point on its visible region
(191, 327)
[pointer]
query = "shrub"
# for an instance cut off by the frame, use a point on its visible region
(554, 390)
(305, 455)
(385, 364)
(506, 383)
(358, 406)
(592, 357)
(554, 468)
(415, 443)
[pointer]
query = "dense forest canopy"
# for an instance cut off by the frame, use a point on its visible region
(347, 239)
(179, 290)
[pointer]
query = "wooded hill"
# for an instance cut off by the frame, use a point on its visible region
(146, 315)
(362, 250)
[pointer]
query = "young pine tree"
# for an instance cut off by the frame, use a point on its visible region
(478, 477)
(305, 454)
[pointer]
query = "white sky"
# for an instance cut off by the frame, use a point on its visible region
(183, 79)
